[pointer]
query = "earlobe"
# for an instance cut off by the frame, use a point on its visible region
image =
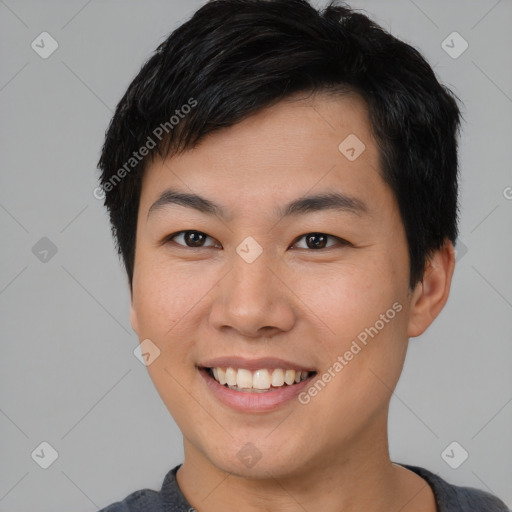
(431, 294)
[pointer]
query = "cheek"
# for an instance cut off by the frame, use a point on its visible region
(365, 310)
(351, 296)
(164, 295)
(165, 300)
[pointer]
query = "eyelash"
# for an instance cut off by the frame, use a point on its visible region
(341, 241)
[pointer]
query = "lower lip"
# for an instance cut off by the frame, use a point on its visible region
(253, 402)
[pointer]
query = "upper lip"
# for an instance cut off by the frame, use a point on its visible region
(253, 364)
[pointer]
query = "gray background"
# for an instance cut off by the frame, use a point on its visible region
(68, 373)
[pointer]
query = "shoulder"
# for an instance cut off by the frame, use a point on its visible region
(145, 499)
(454, 498)
(168, 499)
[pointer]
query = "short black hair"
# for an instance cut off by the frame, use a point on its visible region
(234, 58)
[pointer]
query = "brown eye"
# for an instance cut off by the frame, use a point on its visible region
(192, 239)
(318, 241)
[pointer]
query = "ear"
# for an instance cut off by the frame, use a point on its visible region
(133, 316)
(430, 295)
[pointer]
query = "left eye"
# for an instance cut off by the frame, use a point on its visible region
(319, 241)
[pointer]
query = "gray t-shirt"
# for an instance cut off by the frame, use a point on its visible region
(449, 498)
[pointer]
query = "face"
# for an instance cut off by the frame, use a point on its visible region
(254, 274)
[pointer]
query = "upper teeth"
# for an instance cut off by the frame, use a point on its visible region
(260, 379)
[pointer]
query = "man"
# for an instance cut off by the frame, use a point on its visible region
(282, 186)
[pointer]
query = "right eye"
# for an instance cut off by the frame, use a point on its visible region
(191, 239)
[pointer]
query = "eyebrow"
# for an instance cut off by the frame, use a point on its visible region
(313, 203)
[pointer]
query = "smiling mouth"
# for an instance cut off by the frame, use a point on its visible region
(259, 381)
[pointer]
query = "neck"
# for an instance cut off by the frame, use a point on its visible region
(358, 476)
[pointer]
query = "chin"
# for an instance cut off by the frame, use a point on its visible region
(254, 461)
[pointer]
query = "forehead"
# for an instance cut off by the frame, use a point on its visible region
(305, 143)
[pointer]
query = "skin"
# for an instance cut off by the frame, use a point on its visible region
(294, 302)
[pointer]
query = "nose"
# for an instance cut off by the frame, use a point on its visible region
(253, 300)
